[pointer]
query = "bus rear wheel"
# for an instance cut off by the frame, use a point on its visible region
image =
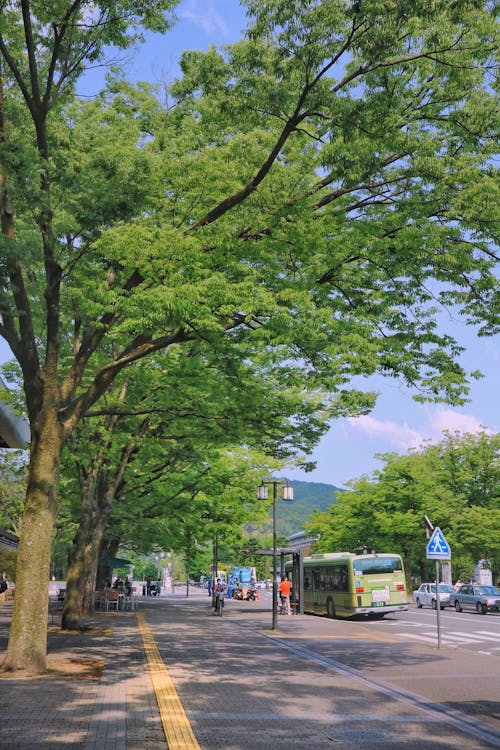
(330, 607)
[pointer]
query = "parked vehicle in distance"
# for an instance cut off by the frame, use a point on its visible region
(426, 594)
(477, 597)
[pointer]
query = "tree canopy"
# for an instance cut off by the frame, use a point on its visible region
(307, 202)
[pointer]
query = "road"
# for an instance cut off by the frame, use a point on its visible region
(477, 633)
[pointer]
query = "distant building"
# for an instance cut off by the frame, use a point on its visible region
(482, 572)
(302, 540)
(14, 431)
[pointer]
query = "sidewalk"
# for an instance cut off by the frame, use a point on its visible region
(174, 676)
(98, 694)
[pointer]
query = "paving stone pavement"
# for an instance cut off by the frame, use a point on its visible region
(116, 710)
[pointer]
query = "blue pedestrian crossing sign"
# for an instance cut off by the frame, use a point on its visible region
(438, 548)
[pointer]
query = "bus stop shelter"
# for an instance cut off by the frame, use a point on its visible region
(14, 431)
(297, 569)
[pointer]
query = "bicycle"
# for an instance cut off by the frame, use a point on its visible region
(282, 610)
(219, 604)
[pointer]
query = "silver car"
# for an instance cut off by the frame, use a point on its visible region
(426, 594)
(478, 597)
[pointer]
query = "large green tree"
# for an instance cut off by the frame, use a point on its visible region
(44, 47)
(317, 190)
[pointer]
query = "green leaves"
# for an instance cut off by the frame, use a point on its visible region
(455, 483)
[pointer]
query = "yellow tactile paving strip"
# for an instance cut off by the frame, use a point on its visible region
(176, 725)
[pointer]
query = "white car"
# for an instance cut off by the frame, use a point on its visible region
(426, 594)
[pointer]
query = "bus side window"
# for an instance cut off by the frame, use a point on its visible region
(335, 580)
(316, 580)
(330, 579)
(344, 578)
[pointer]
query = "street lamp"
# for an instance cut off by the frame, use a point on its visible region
(159, 559)
(262, 494)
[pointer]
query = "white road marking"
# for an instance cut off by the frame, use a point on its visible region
(430, 639)
(462, 638)
(483, 635)
(456, 638)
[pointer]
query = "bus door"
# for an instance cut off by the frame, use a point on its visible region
(316, 583)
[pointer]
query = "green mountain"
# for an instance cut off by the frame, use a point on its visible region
(307, 497)
(292, 516)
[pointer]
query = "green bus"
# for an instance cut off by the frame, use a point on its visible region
(341, 584)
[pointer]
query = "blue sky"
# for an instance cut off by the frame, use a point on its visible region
(397, 423)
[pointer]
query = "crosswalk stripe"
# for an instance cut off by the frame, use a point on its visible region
(463, 638)
(456, 637)
(419, 637)
(483, 635)
(448, 638)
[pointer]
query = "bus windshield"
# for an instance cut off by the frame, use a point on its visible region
(370, 565)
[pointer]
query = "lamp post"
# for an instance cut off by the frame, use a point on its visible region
(262, 494)
(159, 557)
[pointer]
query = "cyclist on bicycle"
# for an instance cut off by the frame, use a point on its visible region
(219, 590)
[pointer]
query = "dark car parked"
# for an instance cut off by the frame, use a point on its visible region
(480, 598)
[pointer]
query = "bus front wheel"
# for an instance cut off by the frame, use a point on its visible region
(330, 607)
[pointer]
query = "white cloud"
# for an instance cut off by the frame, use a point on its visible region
(441, 419)
(401, 437)
(398, 436)
(204, 15)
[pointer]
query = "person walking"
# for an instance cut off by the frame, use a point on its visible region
(284, 589)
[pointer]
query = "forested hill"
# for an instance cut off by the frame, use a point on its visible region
(307, 497)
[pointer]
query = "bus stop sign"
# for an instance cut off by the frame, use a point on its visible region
(438, 548)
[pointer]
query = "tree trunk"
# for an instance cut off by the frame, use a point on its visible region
(84, 554)
(81, 574)
(89, 582)
(99, 488)
(27, 647)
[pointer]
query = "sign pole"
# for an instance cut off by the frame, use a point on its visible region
(437, 549)
(438, 605)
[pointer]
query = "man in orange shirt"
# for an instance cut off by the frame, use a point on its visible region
(284, 588)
